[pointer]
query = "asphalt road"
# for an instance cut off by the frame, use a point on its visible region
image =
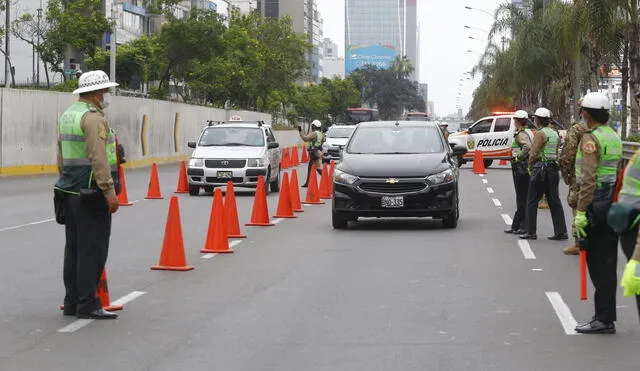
(382, 295)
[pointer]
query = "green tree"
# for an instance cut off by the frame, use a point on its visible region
(313, 102)
(342, 95)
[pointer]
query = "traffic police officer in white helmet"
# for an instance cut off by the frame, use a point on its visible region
(85, 194)
(519, 156)
(315, 139)
(545, 178)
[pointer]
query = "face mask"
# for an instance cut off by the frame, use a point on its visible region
(106, 100)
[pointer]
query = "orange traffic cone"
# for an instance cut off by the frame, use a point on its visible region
(313, 197)
(123, 198)
(217, 241)
(284, 201)
(305, 155)
(231, 213)
(295, 160)
(260, 212)
(172, 257)
(332, 168)
(154, 185)
(183, 182)
(295, 192)
(503, 162)
(478, 162)
(285, 159)
(103, 293)
(325, 187)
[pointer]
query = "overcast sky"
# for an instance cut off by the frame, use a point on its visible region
(444, 44)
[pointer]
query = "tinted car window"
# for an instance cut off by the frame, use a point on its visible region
(393, 140)
(502, 124)
(483, 126)
(225, 136)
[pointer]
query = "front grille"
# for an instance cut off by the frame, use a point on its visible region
(400, 187)
(225, 164)
(212, 179)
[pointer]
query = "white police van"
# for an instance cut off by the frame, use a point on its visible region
(237, 151)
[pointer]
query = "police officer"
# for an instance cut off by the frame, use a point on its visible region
(519, 156)
(445, 130)
(566, 161)
(545, 178)
(87, 163)
(596, 165)
(630, 196)
(315, 139)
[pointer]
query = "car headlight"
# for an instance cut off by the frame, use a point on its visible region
(440, 178)
(325, 146)
(255, 162)
(342, 177)
(196, 162)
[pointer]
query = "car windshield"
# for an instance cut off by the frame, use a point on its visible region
(395, 140)
(225, 136)
(340, 132)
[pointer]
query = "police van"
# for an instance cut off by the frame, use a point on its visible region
(493, 135)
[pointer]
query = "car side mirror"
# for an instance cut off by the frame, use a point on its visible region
(459, 150)
(272, 145)
(191, 144)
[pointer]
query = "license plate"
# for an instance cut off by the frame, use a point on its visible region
(392, 202)
(225, 174)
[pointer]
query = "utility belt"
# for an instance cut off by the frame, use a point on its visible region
(597, 211)
(93, 198)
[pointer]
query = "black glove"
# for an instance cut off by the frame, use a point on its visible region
(300, 129)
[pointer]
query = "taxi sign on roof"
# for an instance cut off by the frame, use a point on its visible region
(235, 118)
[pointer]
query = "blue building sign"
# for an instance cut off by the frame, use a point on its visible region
(381, 56)
(212, 6)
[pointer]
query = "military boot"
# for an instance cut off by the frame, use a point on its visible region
(571, 250)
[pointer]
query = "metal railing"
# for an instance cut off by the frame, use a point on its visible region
(628, 149)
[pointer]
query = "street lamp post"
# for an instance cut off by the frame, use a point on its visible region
(39, 10)
(479, 10)
(7, 44)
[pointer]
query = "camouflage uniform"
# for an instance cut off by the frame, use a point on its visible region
(566, 161)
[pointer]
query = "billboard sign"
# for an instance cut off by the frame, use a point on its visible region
(381, 56)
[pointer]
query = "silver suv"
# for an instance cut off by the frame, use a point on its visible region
(237, 151)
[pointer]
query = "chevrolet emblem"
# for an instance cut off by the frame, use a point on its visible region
(392, 181)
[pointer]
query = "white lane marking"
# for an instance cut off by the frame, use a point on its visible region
(26, 225)
(563, 312)
(490, 190)
(485, 181)
(80, 323)
(526, 249)
(277, 221)
(42, 221)
(481, 174)
(497, 202)
(231, 245)
(536, 269)
(507, 219)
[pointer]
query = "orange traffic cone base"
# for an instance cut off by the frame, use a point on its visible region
(285, 216)
(162, 268)
(237, 236)
(154, 197)
(110, 308)
(126, 204)
(260, 224)
(205, 251)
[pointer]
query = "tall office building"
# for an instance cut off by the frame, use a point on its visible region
(332, 63)
(376, 31)
(307, 20)
(243, 6)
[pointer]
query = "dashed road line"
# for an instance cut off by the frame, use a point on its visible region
(563, 312)
(485, 181)
(526, 249)
(490, 190)
(507, 219)
(496, 202)
(277, 220)
(231, 245)
(80, 323)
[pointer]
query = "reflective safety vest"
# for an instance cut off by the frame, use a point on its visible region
(76, 166)
(550, 150)
(318, 141)
(610, 146)
(516, 148)
(630, 190)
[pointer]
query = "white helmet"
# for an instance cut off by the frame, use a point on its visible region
(92, 81)
(543, 112)
(316, 124)
(521, 114)
(596, 100)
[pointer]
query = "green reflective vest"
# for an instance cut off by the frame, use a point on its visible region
(318, 141)
(609, 157)
(76, 166)
(630, 190)
(550, 150)
(516, 148)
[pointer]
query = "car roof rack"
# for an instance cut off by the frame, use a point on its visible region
(260, 123)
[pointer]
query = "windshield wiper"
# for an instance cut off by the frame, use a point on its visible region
(235, 144)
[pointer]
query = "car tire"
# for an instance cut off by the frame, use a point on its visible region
(461, 161)
(194, 190)
(451, 221)
(487, 163)
(339, 220)
(274, 186)
(208, 189)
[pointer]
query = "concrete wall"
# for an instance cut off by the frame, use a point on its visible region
(150, 130)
